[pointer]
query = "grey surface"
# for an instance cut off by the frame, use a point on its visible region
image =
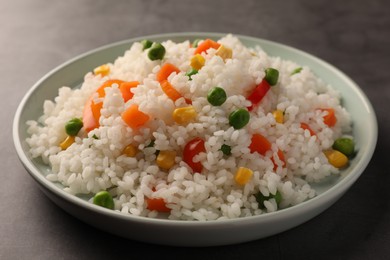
(36, 36)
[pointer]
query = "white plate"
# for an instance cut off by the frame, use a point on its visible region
(193, 233)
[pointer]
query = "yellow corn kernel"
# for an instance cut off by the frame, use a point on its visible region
(130, 150)
(184, 115)
(197, 61)
(166, 159)
(224, 52)
(102, 70)
(336, 158)
(278, 115)
(243, 175)
(67, 142)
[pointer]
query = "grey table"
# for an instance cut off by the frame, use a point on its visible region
(36, 36)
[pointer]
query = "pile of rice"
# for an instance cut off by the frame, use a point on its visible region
(95, 161)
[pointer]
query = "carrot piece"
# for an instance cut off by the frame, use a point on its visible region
(97, 107)
(166, 70)
(205, 45)
(125, 88)
(169, 90)
(89, 121)
(281, 157)
(305, 126)
(157, 204)
(91, 112)
(329, 119)
(106, 84)
(259, 144)
(133, 117)
(96, 110)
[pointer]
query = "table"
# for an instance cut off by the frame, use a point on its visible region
(38, 35)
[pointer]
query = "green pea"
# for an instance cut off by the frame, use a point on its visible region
(239, 118)
(196, 42)
(296, 71)
(226, 149)
(344, 145)
(146, 44)
(271, 76)
(73, 126)
(191, 72)
(260, 198)
(156, 52)
(216, 96)
(104, 199)
(277, 197)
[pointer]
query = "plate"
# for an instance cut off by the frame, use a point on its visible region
(195, 233)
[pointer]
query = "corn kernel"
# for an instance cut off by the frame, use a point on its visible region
(197, 61)
(67, 142)
(278, 115)
(166, 159)
(336, 158)
(103, 70)
(183, 115)
(224, 52)
(130, 151)
(243, 175)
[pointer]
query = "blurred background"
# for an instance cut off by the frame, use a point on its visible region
(38, 35)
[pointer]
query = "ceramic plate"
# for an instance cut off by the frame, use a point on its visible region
(194, 233)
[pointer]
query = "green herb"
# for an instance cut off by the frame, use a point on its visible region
(296, 71)
(191, 72)
(226, 149)
(260, 198)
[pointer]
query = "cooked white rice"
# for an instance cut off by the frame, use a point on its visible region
(94, 164)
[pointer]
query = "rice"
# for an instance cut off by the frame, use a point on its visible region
(96, 162)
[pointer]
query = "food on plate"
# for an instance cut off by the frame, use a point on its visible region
(207, 130)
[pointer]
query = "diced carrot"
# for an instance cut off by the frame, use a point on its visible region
(133, 117)
(281, 157)
(91, 112)
(329, 119)
(89, 121)
(125, 88)
(169, 90)
(166, 70)
(101, 92)
(106, 84)
(305, 126)
(157, 204)
(259, 144)
(205, 45)
(95, 107)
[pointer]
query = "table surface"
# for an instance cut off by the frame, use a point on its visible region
(38, 35)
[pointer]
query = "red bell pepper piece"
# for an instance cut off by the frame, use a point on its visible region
(258, 93)
(191, 149)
